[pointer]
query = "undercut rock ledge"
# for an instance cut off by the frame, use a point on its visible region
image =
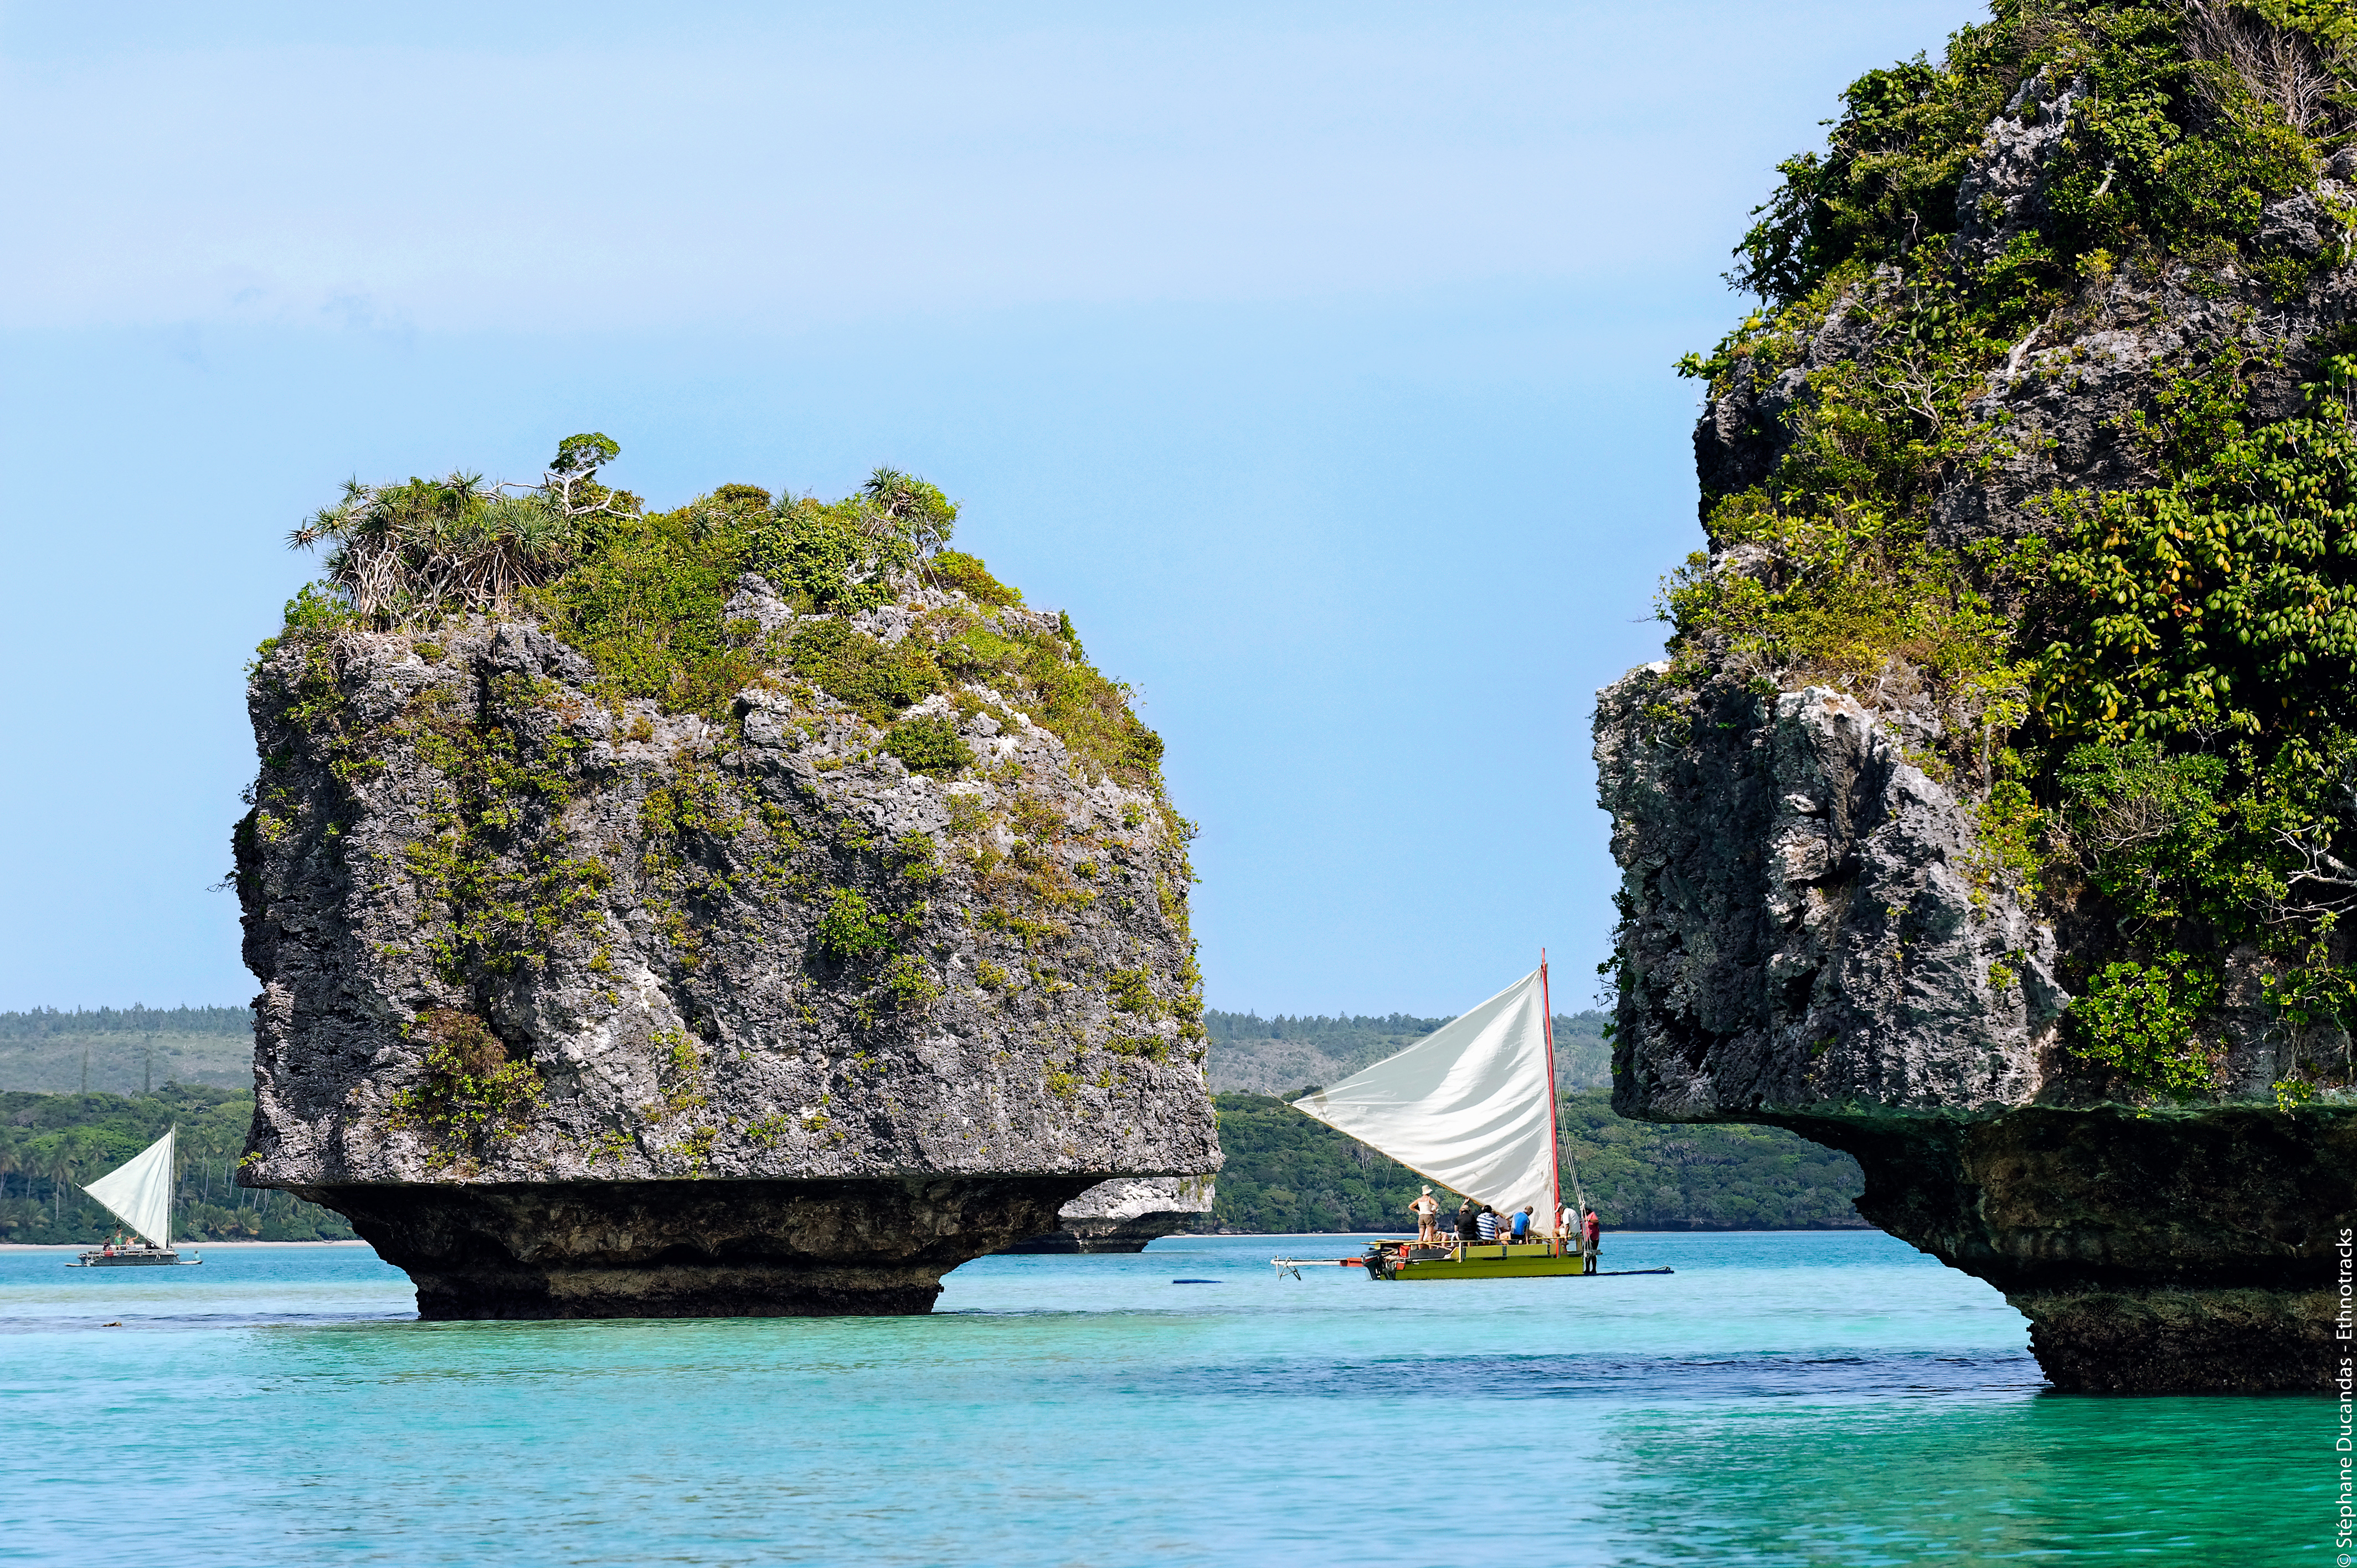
(711, 1248)
(1123, 1215)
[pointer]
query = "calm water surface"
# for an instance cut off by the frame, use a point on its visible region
(1780, 1399)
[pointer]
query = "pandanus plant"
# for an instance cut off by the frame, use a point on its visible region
(414, 551)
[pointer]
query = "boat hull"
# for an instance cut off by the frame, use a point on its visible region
(1491, 1267)
(131, 1258)
(1496, 1260)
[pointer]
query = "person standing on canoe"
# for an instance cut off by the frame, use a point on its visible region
(1592, 1235)
(1427, 1218)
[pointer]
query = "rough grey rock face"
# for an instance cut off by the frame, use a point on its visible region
(1806, 911)
(1998, 197)
(1816, 936)
(1124, 1215)
(765, 969)
(1809, 940)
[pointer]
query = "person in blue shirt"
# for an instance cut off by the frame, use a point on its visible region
(1522, 1223)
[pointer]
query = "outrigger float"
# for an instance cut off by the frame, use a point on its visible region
(1472, 1108)
(139, 1193)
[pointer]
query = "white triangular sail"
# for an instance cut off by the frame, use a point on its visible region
(1471, 1105)
(140, 1193)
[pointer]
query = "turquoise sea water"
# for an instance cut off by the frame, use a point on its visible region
(1780, 1399)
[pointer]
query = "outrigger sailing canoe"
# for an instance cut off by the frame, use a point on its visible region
(138, 1193)
(1470, 1107)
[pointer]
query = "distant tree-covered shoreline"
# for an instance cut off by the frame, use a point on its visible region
(51, 1144)
(1285, 1172)
(40, 1023)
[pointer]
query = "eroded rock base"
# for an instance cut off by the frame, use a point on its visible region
(1123, 1215)
(691, 1249)
(1104, 1235)
(2152, 1250)
(2214, 1341)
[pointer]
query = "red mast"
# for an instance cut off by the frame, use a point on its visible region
(1554, 1102)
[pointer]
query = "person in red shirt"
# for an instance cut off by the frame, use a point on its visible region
(1592, 1235)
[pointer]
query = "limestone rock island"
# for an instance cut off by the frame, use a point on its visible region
(1994, 817)
(751, 908)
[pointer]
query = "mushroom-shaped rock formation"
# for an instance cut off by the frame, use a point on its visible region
(746, 910)
(1992, 817)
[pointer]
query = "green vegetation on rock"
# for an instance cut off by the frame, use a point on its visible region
(644, 594)
(2144, 677)
(2140, 1018)
(472, 1088)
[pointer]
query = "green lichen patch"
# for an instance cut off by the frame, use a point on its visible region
(472, 1089)
(506, 885)
(929, 746)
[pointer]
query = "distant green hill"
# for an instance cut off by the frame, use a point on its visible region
(1287, 1173)
(51, 1142)
(1282, 1056)
(127, 1050)
(124, 1050)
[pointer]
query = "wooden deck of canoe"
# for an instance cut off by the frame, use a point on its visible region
(1502, 1260)
(1490, 1261)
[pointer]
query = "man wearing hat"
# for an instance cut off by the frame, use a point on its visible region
(1427, 1220)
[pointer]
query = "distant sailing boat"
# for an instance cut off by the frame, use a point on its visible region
(138, 1193)
(1471, 1107)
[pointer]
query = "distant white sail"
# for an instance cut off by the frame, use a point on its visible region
(1471, 1105)
(140, 1193)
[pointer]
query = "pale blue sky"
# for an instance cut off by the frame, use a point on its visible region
(1315, 358)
